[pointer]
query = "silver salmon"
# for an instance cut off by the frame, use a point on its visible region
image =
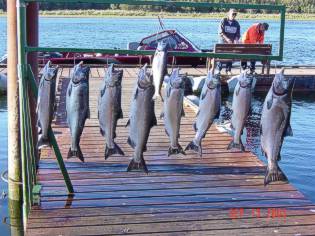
(275, 124)
(77, 107)
(173, 110)
(109, 109)
(142, 118)
(159, 67)
(46, 104)
(209, 110)
(241, 105)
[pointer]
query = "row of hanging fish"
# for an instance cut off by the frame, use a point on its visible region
(274, 123)
(275, 120)
(77, 105)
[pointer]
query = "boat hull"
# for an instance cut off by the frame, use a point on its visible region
(124, 59)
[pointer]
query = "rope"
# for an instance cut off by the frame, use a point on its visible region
(140, 60)
(3, 176)
(161, 23)
(173, 62)
(5, 221)
(7, 180)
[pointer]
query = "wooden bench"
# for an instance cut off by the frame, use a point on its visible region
(260, 49)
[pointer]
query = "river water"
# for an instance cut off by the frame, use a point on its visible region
(297, 152)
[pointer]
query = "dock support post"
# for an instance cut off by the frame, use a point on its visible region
(14, 158)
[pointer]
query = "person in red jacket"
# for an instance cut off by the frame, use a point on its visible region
(256, 35)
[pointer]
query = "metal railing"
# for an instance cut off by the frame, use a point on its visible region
(28, 157)
(26, 78)
(197, 5)
(28, 83)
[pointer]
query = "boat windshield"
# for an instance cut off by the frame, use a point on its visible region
(175, 40)
(191, 43)
(171, 40)
(156, 37)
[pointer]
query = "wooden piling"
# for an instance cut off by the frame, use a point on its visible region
(14, 160)
(16, 222)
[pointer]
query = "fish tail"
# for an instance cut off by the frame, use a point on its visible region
(135, 165)
(272, 176)
(77, 154)
(239, 146)
(176, 150)
(194, 147)
(112, 151)
(43, 142)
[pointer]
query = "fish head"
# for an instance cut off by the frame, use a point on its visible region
(80, 73)
(213, 81)
(113, 77)
(162, 46)
(245, 79)
(145, 78)
(49, 72)
(176, 80)
(282, 85)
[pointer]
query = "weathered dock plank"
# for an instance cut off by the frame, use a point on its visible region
(221, 193)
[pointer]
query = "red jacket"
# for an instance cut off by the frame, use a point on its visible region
(253, 35)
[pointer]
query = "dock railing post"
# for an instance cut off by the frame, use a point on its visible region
(282, 27)
(63, 169)
(32, 40)
(14, 157)
(22, 69)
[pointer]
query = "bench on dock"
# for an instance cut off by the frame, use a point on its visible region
(260, 49)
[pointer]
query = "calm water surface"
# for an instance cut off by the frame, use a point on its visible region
(4, 229)
(116, 33)
(297, 152)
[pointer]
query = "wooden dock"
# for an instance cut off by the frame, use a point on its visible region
(221, 193)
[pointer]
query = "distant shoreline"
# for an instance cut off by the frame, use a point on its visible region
(169, 15)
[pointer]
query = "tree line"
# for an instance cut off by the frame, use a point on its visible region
(293, 6)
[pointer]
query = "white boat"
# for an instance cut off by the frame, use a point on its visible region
(3, 83)
(197, 83)
(194, 99)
